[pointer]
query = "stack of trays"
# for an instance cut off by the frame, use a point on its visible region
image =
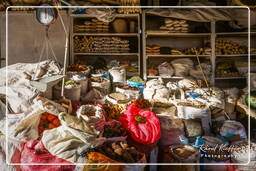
(153, 50)
(92, 26)
(174, 25)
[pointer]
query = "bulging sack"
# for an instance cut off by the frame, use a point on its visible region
(143, 125)
(71, 139)
(92, 114)
(165, 70)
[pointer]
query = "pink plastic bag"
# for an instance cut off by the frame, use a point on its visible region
(34, 152)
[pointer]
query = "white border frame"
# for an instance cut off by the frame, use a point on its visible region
(143, 164)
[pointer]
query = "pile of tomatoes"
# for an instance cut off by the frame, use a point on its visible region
(48, 121)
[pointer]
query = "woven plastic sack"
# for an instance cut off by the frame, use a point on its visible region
(118, 74)
(102, 84)
(165, 70)
(35, 152)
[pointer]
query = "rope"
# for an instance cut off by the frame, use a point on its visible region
(65, 55)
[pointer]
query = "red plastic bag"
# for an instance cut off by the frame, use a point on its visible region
(34, 152)
(143, 125)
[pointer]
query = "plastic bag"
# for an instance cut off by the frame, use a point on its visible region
(71, 139)
(231, 128)
(143, 125)
(165, 70)
(34, 152)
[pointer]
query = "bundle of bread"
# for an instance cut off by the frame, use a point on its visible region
(129, 10)
(83, 44)
(111, 44)
(175, 25)
(93, 25)
(229, 47)
(100, 44)
(153, 50)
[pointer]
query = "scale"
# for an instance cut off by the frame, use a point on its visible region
(47, 17)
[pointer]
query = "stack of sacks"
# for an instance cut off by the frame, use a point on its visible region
(153, 50)
(174, 25)
(94, 25)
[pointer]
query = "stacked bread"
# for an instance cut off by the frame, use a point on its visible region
(111, 44)
(93, 25)
(228, 47)
(175, 25)
(153, 50)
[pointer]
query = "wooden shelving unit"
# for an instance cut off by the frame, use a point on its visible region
(148, 34)
(107, 55)
(158, 35)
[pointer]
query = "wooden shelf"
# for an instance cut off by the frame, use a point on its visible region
(174, 56)
(108, 34)
(235, 34)
(116, 15)
(168, 33)
(107, 54)
(173, 77)
(229, 78)
(236, 55)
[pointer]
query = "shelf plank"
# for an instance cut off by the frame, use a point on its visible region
(236, 55)
(229, 78)
(107, 54)
(174, 56)
(116, 15)
(235, 34)
(108, 34)
(173, 77)
(168, 33)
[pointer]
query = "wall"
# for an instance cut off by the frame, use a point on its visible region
(26, 37)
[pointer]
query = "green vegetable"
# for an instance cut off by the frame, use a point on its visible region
(252, 99)
(71, 82)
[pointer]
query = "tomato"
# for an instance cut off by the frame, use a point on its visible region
(50, 117)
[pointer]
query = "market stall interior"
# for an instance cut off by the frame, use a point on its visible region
(145, 86)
